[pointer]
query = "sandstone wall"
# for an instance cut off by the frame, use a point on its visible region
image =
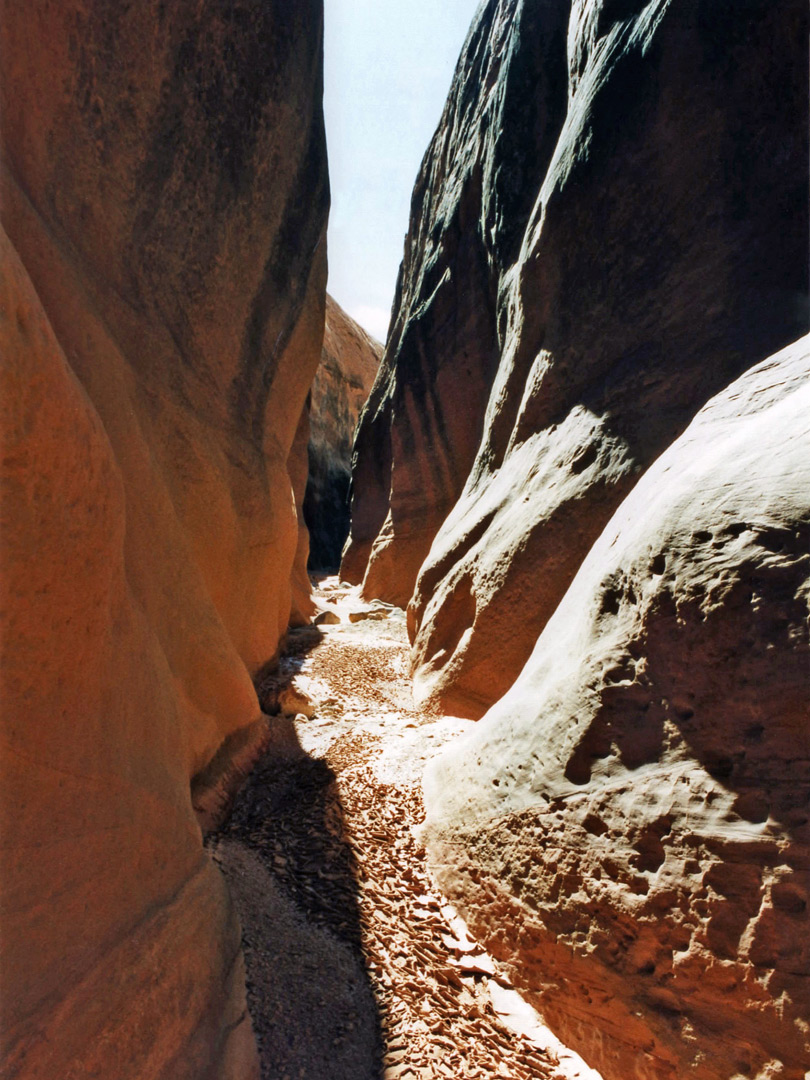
(422, 425)
(652, 247)
(349, 363)
(302, 606)
(629, 827)
(164, 186)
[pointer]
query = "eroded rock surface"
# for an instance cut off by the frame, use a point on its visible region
(629, 827)
(349, 363)
(601, 218)
(164, 186)
(421, 428)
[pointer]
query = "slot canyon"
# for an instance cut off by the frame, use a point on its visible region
(422, 709)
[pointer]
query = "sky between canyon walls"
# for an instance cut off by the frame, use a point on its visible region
(388, 68)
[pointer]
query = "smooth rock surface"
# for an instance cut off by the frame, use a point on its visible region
(327, 617)
(629, 827)
(349, 362)
(164, 185)
(422, 425)
(613, 214)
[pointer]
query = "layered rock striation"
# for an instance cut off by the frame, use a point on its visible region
(629, 827)
(165, 193)
(606, 200)
(349, 363)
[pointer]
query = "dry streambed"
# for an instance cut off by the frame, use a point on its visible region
(357, 968)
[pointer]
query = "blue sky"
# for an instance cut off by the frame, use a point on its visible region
(388, 68)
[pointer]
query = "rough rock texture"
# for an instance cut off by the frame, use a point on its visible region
(629, 826)
(349, 363)
(642, 261)
(422, 425)
(164, 185)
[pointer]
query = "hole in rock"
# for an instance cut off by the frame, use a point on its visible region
(594, 745)
(658, 565)
(737, 528)
(650, 852)
(789, 898)
(585, 459)
(719, 766)
(594, 825)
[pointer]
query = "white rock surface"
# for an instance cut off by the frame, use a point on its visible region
(628, 826)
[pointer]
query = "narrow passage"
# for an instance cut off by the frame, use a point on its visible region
(357, 968)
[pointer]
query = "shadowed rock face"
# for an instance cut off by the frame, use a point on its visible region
(349, 363)
(628, 827)
(164, 186)
(422, 425)
(642, 262)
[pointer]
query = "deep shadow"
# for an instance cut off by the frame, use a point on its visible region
(294, 881)
(326, 510)
(271, 680)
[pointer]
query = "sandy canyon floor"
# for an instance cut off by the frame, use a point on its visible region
(357, 967)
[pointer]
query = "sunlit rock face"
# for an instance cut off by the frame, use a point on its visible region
(164, 186)
(628, 827)
(422, 425)
(642, 260)
(349, 364)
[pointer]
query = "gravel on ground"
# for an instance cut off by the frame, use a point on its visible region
(358, 969)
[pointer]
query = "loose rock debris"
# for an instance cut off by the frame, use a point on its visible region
(357, 968)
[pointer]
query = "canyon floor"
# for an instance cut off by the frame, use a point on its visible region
(357, 968)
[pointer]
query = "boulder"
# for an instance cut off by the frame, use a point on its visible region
(349, 362)
(628, 829)
(164, 188)
(327, 617)
(294, 701)
(369, 613)
(597, 246)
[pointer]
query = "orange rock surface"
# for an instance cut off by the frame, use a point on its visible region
(349, 363)
(164, 186)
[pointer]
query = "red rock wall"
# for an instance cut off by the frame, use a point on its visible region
(349, 363)
(637, 263)
(164, 185)
(629, 827)
(652, 272)
(421, 429)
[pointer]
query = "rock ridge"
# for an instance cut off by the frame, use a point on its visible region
(628, 827)
(161, 321)
(641, 272)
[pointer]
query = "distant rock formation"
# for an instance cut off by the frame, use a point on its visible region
(598, 245)
(629, 828)
(349, 363)
(164, 185)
